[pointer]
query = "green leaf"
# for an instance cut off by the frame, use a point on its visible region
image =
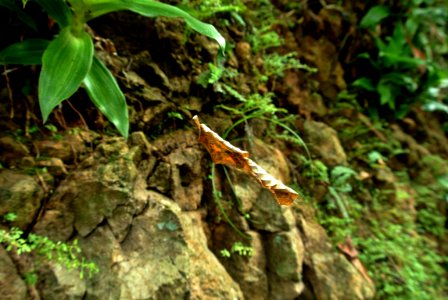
(28, 52)
(65, 64)
(387, 94)
(390, 60)
(58, 10)
(374, 16)
(11, 5)
(400, 80)
(435, 106)
(105, 93)
(149, 8)
(364, 83)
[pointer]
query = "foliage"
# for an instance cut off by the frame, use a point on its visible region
(68, 61)
(432, 195)
(238, 248)
(264, 38)
(399, 251)
(67, 255)
(406, 68)
(337, 216)
(404, 266)
(207, 8)
(276, 64)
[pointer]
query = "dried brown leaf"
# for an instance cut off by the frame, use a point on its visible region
(222, 152)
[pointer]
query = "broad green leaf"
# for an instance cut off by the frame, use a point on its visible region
(11, 5)
(374, 16)
(435, 106)
(387, 94)
(65, 64)
(400, 80)
(58, 10)
(405, 61)
(105, 93)
(28, 52)
(149, 8)
(364, 83)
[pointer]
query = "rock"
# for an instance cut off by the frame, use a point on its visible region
(54, 165)
(271, 159)
(208, 279)
(11, 150)
(246, 189)
(57, 222)
(12, 287)
(27, 162)
(333, 277)
(180, 85)
(93, 203)
(69, 149)
(186, 177)
(285, 253)
(329, 275)
(249, 271)
(56, 282)
(154, 71)
(268, 215)
(160, 180)
(20, 194)
(324, 141)
(120, 221)
(152, 94)
(155, 114)
(210, 46)
(100, 247)
(321, 54)
(179, 174)
(316, 105)
(91, 194)
(243, 51)
(299, 94)
(149, 250)
(155, 256)
(265, 213)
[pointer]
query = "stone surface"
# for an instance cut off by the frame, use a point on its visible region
(265, 213)
(300, 95)
(144, 244)
(179, 172)
(20, 194)
(70, 148)
(11, 150)
(160, 179)
(150, 245)
(324, 141)
(285, 253)
(268, 215)
(12, 287)
(54, 165)
(208, 278)
(246, 189)
(92, 193)
(56, 282)
(321, 54)
(329, 274)
(248, 271)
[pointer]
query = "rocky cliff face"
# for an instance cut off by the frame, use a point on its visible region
(143, 213)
